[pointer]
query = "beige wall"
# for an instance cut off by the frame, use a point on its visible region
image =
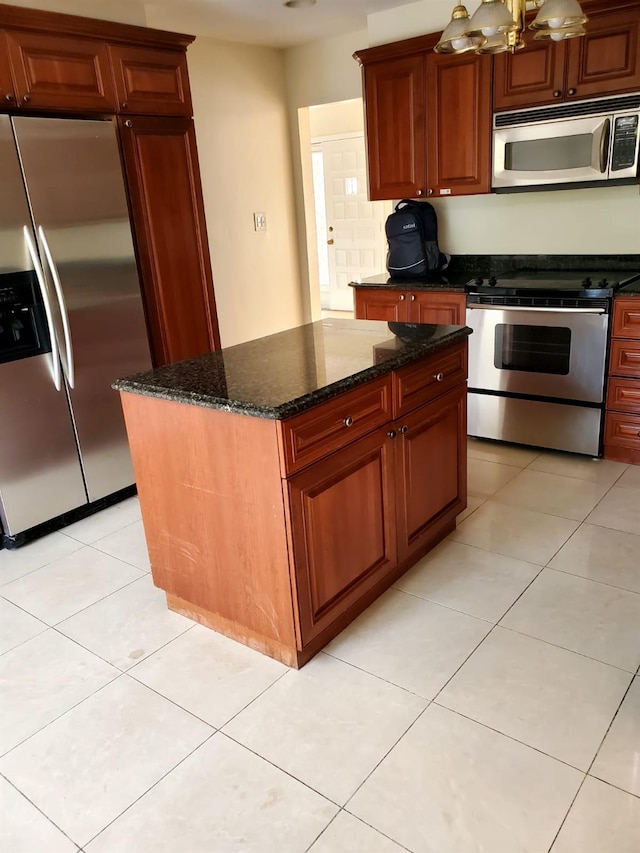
(333, 119)
(124, 11)
(239, 97)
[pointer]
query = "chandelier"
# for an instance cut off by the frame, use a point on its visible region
(498, 26)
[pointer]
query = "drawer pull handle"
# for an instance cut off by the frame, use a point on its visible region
(403, 429)
(348, 422)
(392, 433)
(402, 297)
(439, 377)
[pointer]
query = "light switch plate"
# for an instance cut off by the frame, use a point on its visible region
(260, 221)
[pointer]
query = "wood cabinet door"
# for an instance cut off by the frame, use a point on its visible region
(395, 117)
(151, 81)
(59, 72)
(343, 529)
(161, 164)
(607, 60)
(445, 308)
(458, 125)
(432, 481)
(7, 90)
(626, 317)
(531, 77)
(374, 304)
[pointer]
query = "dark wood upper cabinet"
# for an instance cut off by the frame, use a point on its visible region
(163, 176)
(428, 120)
(607, 60)
(532, 77)
(60, 72)
(458, 124)
(151, 82)
(396, 135)
(604, 62)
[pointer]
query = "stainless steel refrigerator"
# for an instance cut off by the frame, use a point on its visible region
(64, 220)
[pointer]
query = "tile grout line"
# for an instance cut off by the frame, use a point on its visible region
(46, 816)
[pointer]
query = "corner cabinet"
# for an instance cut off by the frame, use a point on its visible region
(410, 306)
(53, 64)
(351, 493)
(428, 120)
(606, 61)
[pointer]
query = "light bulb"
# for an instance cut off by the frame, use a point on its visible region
(489, 31)
(460, 43)
(555, 23)
(557, 36)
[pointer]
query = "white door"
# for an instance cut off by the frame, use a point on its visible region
(355, 243)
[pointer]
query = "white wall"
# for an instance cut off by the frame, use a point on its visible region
(239, 97)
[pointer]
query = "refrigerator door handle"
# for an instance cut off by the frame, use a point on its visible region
(67, 362)
(55, 355)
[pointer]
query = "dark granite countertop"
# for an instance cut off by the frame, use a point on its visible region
(632, 289)
(455, 281)
(286, 373)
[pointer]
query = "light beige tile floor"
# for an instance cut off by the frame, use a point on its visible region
(489, 702)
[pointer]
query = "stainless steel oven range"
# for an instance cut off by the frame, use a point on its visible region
(537, 357)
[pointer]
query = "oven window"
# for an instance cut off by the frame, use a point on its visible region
(533, 349)
(549, 155)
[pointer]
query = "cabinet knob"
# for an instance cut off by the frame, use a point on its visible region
(572, 92)
(439, 377)
(392, 433)
(557, 93)
(418, 193)
(413, 297)
(26, 98)
(123, 105)
(128, 123)
(348, 422)
(402, 297)
(403, 429)
(429, 192)
(9, 96)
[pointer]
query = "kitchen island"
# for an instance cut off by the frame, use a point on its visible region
(286, 482)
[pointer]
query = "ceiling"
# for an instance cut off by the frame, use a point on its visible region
(265, 22)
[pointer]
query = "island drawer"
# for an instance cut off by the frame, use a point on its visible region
(624, 395)
(328, 427)
(419, 383)
(626, 318)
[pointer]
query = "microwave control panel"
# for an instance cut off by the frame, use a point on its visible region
(625, 143)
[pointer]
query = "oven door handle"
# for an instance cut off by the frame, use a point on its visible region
(536, 310)
(55, 358)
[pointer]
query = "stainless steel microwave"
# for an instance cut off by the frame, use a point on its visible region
(578, 143)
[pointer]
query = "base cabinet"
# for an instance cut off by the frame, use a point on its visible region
(622, 419)
(284, 559)
(410, 306)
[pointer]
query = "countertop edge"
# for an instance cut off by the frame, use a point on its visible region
(299, 404)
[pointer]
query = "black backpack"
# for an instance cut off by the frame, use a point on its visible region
(412, 234)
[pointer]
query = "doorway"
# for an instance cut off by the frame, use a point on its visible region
(349, 238)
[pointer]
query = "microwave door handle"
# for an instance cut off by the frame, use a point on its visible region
(604, 145)
(47, 307)
(67, 362)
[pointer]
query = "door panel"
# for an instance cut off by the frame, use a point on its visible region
(445, 308)
(458, 124)
(389, 305)
(77, 194)
(343, 529)
(54, 72)
(607, 60)
(40, 474)
(433, 468)
(530, 77)
(395, 113)
(150, 81)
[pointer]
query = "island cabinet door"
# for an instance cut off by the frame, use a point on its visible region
(432, 475)
(343, 529)
(377, 304)
(431, 307)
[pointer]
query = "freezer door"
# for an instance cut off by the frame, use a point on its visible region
(40, 475)
(74, 182)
